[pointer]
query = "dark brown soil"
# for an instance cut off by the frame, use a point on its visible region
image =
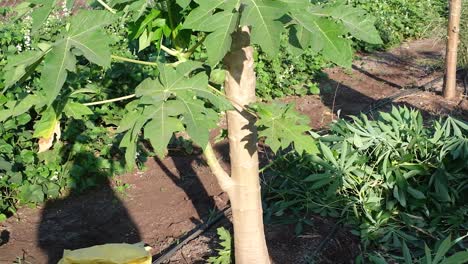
(384, 74)
(335, 244)
(172, 196)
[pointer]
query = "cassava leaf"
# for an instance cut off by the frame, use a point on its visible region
(457, 258)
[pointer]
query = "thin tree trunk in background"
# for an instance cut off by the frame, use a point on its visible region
(450, 89)
(249, 238)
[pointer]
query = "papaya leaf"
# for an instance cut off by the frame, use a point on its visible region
(21, 66)
(46, 125)
(41, 12)
(161, 128)
(282, 126)
(325, 35)
(176, 101)
(86, 35)
(220, 25)
(56, 64)
(263, 16)
(356, 21)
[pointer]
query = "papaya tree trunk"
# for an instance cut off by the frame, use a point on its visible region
(450, 89)
(249, 238)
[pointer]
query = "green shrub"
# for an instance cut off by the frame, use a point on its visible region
(398, 20)
(288, 74)
(89, 150)
(393, 180)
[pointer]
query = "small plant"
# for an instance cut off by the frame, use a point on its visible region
(392, 179)
(224, 253)
(436, 256)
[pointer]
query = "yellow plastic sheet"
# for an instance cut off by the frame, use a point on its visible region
(108, 254)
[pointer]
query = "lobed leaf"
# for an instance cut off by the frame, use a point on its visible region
(282, 126)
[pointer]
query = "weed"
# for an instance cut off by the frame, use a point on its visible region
(225, 252)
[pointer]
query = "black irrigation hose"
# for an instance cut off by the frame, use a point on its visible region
(325, 241)
(167, 253)
(171, 250)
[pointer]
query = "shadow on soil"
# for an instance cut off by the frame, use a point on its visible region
(96, 219)
(90, 214)
(344, 101)
(187, 179)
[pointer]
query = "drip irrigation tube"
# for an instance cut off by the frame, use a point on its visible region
(171, 250)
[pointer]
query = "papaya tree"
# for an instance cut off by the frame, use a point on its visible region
(184, 96)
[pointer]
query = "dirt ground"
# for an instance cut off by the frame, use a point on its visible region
(172, 196)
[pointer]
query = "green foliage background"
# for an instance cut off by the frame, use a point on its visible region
(89, 151)
(398, 20)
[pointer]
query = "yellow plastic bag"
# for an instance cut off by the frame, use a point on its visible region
(108, 254)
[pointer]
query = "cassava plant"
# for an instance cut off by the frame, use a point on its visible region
(185, 96)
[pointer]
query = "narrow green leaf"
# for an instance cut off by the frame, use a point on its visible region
(406, 254)
(457, 258)
(428, 254)
(415, 193)
(443, 249)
